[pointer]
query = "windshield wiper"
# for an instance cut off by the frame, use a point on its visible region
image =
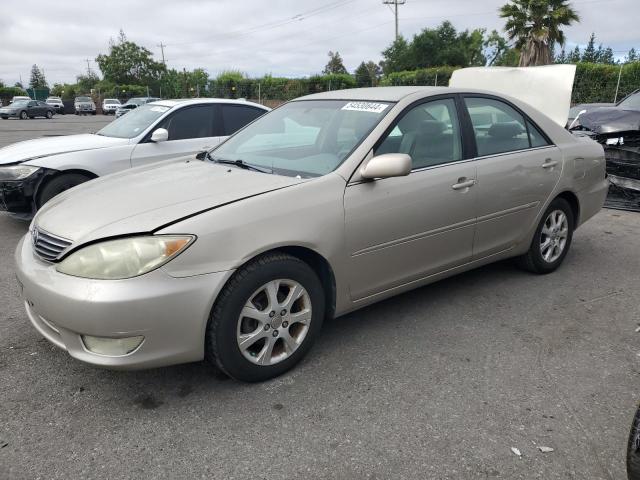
(240, 163)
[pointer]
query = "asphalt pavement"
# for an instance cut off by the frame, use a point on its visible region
(438, 383)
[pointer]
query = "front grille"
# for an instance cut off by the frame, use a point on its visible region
(47, 246)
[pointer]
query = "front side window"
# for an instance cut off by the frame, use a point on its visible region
(429, 133)
(134, 123)
(189, 122)
(499, 128)
(235, 117)
(307, 138)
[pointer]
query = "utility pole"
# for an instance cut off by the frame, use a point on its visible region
(395, 4)
(162, 50)
(88, 67)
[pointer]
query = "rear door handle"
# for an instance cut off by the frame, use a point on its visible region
(463, 183)
(548, 163)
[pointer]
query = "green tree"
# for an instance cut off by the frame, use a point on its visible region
(363, 77)
(86, 82)
(129, 63)
(495, 46)
(536, 26)
(574, 56)
(37, 79)
(397, 57)
(632, 56)
(590, 54)
(334, 65)
(374, 72)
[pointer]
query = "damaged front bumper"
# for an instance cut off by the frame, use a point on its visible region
(618, 131)
(18, 197)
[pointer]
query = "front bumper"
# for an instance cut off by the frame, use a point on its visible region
(18, 196)
(171, 313)
(12, 113)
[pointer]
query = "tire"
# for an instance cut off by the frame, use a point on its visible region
(534, 260)
(249, 286)
(49, 115)
(23, 115)
(58, 185)
(5, 118)
(633, 449)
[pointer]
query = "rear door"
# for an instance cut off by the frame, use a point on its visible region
(517, 169)
(192, 129)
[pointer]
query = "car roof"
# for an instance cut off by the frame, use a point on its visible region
(200, 101)
(383, 94)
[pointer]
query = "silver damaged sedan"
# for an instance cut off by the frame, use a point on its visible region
(329, 203)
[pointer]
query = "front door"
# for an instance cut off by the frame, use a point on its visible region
(517, 169)
(402, 229)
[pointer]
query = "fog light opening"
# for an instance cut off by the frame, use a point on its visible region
(111, 347)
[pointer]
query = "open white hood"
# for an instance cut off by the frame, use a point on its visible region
(547, 88)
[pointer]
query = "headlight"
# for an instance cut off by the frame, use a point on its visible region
(124, 258)
(17, 172)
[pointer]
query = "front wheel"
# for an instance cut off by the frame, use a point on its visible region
(552, 239)
(49, 115)
(23, 115)
(58, 185)
(266, 318)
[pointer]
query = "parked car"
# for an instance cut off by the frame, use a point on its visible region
(133, 103)
(328, 203)
(110, 105)
(56, 103)
(84, 105)
(24, 109)
(34, 171)
(19, 97)
(577, 110)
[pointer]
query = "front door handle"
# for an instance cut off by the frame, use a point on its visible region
(463, 183)
(548, 163)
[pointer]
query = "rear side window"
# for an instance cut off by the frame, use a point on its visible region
(234, 117)
(191, 122)
(499, 128)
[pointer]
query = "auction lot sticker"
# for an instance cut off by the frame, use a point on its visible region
(365, 107)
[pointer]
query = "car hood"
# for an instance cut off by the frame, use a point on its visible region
(610, 120)
(147, 198)
(44, 147)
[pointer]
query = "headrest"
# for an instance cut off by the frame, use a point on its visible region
(503, 131)
(432, 127)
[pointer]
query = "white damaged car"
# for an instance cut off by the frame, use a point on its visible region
(34, 171)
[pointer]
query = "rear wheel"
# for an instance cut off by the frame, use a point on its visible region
(552, 239)
(58, 185)
(266, 318)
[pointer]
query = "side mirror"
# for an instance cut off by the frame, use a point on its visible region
(387, 165)
(160, 135)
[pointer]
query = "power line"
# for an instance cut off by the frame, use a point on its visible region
(395, 4)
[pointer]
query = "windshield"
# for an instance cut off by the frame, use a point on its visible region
(133, 123)
(306, 138)
(632, 102)
(83, 99)
(109, 101)
(134, 101)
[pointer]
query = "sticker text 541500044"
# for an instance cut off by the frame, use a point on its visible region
(366, 107)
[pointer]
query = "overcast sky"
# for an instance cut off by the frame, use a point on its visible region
(281, 37)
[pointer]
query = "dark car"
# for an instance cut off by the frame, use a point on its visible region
(134, 103)
(24, 109)
(617, 129)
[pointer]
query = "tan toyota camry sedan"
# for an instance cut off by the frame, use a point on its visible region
(329, 203)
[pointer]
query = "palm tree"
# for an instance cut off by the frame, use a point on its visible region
(535, 27)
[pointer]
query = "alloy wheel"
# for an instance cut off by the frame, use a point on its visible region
(553, 238)
(274, 322)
